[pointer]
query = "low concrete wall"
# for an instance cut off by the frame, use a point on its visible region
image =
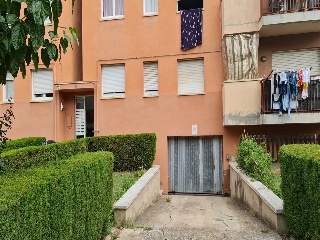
(258, 197)
(139, 197)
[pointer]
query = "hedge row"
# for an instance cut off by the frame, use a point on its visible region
(68, 199)
(300, 172)
(24, 142)
(24, 158)
(131, 152)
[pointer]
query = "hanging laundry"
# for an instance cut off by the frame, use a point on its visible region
(191, 28)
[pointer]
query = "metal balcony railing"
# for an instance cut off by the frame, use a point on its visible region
(283, 6)
(310, 104)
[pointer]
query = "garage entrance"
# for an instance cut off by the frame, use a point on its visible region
(195, 164)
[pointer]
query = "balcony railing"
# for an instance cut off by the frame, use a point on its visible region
(310, 104)
(283, 6)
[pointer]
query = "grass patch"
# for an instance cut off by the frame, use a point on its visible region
(122, 181)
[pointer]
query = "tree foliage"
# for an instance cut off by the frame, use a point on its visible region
(23, 36)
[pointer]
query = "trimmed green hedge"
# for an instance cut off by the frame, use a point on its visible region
(300, 172)
(24, 142)
(68, 199)
(24, 158)
(131, 152)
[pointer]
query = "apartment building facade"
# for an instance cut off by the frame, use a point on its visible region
(130, 75)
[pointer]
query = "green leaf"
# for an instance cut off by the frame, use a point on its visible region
(45, 57)
(7, 43)
(41, 10)
(12, 18)
(35, 59)
(19, 35)
(23, 69)
(66, 36)
(28, 55)
(74, 33)
(52, 51)
(56, 7)
(36, 34)
(2, 19)
(53, 35)
(64, 44)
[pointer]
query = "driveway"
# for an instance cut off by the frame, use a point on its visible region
(196, 217)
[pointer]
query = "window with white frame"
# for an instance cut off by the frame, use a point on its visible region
(150, 7)
(112, 9)
(42, 85)
(150, 79)
(113, 81)
(8, 89)
(191, 76)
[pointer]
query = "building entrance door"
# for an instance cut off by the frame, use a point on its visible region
(84, 116)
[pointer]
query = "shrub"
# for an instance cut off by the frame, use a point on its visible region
(69, 199)
(256, 162)
(24, 158)
(24, 142)
(131, 152)
(300, 172)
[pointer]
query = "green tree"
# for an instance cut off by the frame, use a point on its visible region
(23, 35)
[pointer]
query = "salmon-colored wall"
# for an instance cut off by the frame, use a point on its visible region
(136, 39)
(136, 36)
(39, 118)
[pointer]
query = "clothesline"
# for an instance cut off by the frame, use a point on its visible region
(296, 70)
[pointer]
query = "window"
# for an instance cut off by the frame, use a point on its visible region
(150, 7)
(150, 79)
(112, 9)
(42, 85)
(47, 22)
(189, 4)
(8, 89)
(190, 77)
(113, 81)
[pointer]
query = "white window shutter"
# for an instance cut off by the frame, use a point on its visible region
(113, 81)
(150, 6)
(297, 59)
(9, 90)
(42, 87)
(150, 79)
(8, 94)
(191, 77)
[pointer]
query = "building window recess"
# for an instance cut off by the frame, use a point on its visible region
(189, 4)
(42, 85)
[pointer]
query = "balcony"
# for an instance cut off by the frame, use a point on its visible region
(249, 102)
(283, 17)
(302, 110)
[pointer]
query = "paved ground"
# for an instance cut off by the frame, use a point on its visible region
(196, 217)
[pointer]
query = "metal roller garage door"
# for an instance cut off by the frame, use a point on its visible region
(297, 59)
(195, 164)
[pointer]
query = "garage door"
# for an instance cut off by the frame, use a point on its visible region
(297, 59)
(195, 164)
